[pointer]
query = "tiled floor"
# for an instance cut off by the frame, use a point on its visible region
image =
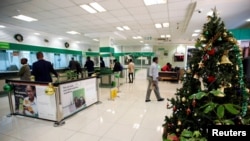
(127, 118)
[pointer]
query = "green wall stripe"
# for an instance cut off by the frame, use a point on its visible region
(4, 45)
(241, 34)
(23, 47)
(106, 49)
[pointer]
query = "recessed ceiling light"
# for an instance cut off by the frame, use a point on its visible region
(197, 31)
(158, 25)
(88, 8)
(165, 24)
(141, 41)
(195, 34)
(60, 38)
(37, 33)
(119, 28)
(77, 42)
(168, 36)
(2, 26)
(248, 20)
(126, 27)
(96, 40)
(25, 18)
(163, 36)
(97, 6)
(153, 2)
(73, 32)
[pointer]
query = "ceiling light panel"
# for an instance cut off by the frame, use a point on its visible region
(25, 18)
(126, 27)
(168, 36)
(98, 7)
(197, 31)
(154, 2)
(158, 25)
(195, 34)
(2, 26)
(248, 20)
(73, 32)
(119, 28)
(88, 9)
(165, 24)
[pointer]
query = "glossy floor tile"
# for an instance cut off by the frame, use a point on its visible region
(127, 118)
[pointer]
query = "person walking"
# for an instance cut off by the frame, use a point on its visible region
(153, 81)
(131, 68)
(89, 64)
(24, 71)
(41, 69)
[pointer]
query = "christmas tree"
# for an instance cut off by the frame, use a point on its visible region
(213, 88)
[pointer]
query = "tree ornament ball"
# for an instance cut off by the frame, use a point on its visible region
(7, 87)
(195, 114)
(183, 99)
(179, 122)
(174, 108)
(177, 130)
(188, 111)
(194, 103)
(224, 34)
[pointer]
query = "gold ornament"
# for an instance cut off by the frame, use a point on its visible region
(177, 130)
(179, 122)
(224, 58)
(231, 39)
(50, 89)
(202, 38)
(196, 76)
(201, 65)
(183, 99)
(225, 34)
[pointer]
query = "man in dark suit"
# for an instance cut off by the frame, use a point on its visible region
(89, 64)
(41, 69)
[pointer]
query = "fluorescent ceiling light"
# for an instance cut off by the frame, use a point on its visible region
(73, 32)
(2, 26)
(168, 36)
(37, 33)
(197, 31)
(158, 25)
(163, 36)
(119, 28)
(248, 20)
(88, 9)
(97, 6)
(96, 40)
(195, 34)
(60, 38)
(165, 24)
(24, 18)
(126, 27)
(153, 2)
(137, 37)
(141, 41)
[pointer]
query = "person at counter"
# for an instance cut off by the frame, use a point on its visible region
(72, 64)
(24, 73)
(41, 69)
(89, 64)
(102, 63)
(30, 102)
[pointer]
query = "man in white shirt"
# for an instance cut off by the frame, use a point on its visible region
(153, 81)
(131, 69)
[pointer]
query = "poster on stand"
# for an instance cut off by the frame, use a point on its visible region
(31, 100)
(77, 95)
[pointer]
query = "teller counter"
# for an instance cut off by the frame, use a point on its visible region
(53, 101)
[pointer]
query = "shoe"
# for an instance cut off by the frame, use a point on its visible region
(161, 99)
(147, 100)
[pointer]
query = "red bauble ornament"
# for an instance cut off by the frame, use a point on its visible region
(188, 111)
(211, 52)
(194, 103)
(211, 79)
(174, 108)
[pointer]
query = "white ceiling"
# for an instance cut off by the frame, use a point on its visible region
(55, 17)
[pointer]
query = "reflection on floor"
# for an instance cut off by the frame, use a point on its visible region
(127, 118)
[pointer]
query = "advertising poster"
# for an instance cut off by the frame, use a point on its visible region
(78, 95)
(31, 100)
